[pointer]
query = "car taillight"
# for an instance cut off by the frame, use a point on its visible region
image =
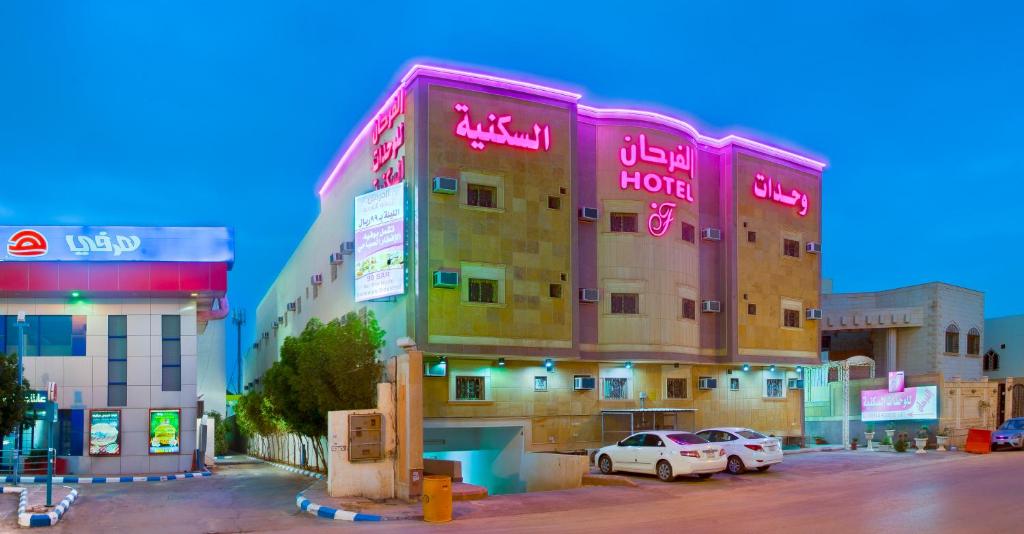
(691, 454)
(753, 447)
(721, 452)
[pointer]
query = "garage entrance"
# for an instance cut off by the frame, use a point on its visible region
(491, 456)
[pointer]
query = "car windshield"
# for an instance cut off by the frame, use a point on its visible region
(750, 434)
(1013, 424)
(687, 439)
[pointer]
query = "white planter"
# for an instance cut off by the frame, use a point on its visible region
(890, 432)
(941, 442)
(868, 436)
(920, 443)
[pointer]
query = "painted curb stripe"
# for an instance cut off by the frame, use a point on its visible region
(327, 512)
(40, 520)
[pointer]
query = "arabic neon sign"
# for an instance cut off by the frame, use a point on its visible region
(26, 244)
(671, 161)
(498, 132)
(768, 189)
(388, 153)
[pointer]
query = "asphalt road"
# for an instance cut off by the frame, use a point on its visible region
(832, 492)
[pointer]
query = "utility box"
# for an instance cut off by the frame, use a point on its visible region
(365, 437)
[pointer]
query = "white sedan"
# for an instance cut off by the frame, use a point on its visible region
(666, 453)
(746, 448)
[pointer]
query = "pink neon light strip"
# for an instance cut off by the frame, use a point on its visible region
(568, 96)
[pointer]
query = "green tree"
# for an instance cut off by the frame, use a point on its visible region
(13, 404)
(256, 418)
(220, 433)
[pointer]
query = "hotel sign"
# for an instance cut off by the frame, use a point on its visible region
(380, 243)
(117, 243)
(911, 403)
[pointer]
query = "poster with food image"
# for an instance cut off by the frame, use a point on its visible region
(164, 431)
(104, 432)
(380, 243)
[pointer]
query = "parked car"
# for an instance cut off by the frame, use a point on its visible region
(666, 453)
(1009, 434)
(746, 448)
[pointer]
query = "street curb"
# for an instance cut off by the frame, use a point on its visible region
(296, 470)
(107, 480)
(327, 512)
(40, 520)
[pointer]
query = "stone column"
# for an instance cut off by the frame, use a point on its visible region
(890, 350)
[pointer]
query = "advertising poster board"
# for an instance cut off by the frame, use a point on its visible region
(104, 432)
(380, 243)
(916, 403)
(164, 431)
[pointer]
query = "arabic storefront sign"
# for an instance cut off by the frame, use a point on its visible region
(911, 403)
(117, 243)
(389, 154)
(499, 132)
(104, 432)
(768, 189)
(164, 431)
(380, 243)
(667, 162)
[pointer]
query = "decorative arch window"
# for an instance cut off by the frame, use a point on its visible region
(952, 339)
(990, 361)
(973, 342)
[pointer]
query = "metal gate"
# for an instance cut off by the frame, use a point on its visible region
(1018, 401)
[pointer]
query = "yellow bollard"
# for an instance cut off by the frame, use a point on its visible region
(437, 499)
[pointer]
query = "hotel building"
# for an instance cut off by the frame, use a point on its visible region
(556, 261)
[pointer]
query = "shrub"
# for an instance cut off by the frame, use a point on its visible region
(900, 446)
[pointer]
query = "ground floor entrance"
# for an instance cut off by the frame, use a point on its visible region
(491, 455)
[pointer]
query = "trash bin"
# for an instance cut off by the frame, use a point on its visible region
(437, 499)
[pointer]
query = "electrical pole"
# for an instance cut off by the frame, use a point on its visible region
(238, 318)
(20, 324)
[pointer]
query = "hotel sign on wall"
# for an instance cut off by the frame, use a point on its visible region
(667, 173)
(389, 149)
(499, 131)
(768, 189)
(117, 243)
(380, 244)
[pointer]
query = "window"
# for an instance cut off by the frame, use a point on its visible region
(298, 305)
(540, 383)
(689, 309)
(469, 388)
(555, 291)
(826, 343)
(623, 222)
(170, 335)
(625, 303)
(70, 432)
(45, 335)
(554, 203)
(652, 440)
(791, 247)
(687, 438)
(751, 237)
(615, 388)
(750, 434)
(773, 388)
(117, 360)
(482, 196)
(751, 309)
(734, 384)
(482, 290)
(635, 440)
(973, 342)
(990, 362)
(689, 232)
(791, 318)
(952, 339)
(676, 388)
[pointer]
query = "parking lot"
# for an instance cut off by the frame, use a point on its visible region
(814, 492)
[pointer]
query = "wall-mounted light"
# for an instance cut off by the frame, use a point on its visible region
(746, 367)
(771, 368)
(549, 364)
(194, 294)
(629, 365)
(501, 362)
(443, 359)
(800, 369)
(75, 294)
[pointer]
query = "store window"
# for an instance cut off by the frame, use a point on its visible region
(773, 388)
(625, 303)
(791, 318)
(973, 342)
(676, 388)
(615, 388)
(170, 334)
(623, 222)
(117, 360)
(482, 290)
(45, 335)
(689, 309)
(952, 339)
(791, 248)
(70, 432)
(481, 196)
(469, 388)
(689, 232)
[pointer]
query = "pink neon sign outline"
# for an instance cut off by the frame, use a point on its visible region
(479, 138)
(661, 218)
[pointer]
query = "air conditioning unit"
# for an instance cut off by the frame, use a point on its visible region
(710, 306)
(588, 214)
(274, 325)
(813, 313)
(316, 279)
(266, 335)
(813, 247)
(445, 185)
(291, 306)
(446, 279)
(348, 247)
(337, 258)
(583, 382)
(589, 294)
(280, 319)
(796, 383)
(706, 382)
(711, 234)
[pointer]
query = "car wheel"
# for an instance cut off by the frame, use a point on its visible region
(735, 465)
(764, 468)
(704, 476)
(665, 471)
(605, 464)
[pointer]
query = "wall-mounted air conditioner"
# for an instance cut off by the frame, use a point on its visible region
(446, 185)
(266, 335)
(710, 306)
(588, 214)
(813, 247)
(589, 294)
(274, 325)
(711, 234)
(348, 247)
(316, 279)
(583, 382)
(814, 313)
(446, 279)
(291, 306)
(337, 258)
(280, 319)
(706, 382)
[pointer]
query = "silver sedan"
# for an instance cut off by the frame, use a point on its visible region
(1009, 434)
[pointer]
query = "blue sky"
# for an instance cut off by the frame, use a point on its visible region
(163, 113)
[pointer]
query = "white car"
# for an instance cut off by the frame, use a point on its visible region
(666, 453)
(746, 448)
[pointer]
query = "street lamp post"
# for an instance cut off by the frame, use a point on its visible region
(20, 324)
